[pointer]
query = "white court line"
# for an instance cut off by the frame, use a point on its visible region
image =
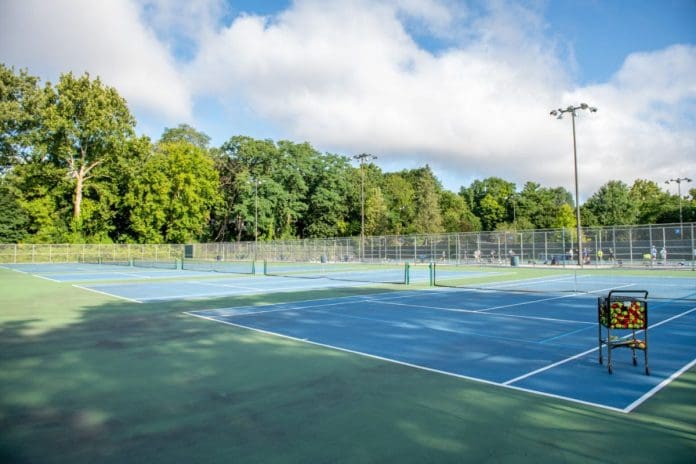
(254, 313)
(506, 384)
(403, 363)
(659, 387)
(12, 269)
(528, 302)
(243, 287)
(564, 361)
(107, 294)
(45, 278)
(357, 298)
(478, 311)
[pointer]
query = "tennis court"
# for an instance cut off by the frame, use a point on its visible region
(200, 280)
(540, 343)
(143, 361)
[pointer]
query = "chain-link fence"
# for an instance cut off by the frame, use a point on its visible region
(73, 253)
(654, 245)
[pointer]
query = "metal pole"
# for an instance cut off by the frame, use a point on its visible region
(559, 115)
(361, 159)
(577, 194)
(678, 181)
(681, 220)
(362, 212)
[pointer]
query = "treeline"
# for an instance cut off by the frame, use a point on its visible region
(72, 169)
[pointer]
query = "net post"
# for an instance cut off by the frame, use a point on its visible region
(265, 267)
(431, 274)
(407, 273)
(253, 267)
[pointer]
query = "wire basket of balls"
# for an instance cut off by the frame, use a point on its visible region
(623, 318)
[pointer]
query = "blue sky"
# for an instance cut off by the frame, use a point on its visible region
(464, 86)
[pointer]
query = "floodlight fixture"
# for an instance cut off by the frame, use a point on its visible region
(559, 115)
(678, 181)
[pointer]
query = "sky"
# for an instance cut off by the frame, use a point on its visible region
(463, 86)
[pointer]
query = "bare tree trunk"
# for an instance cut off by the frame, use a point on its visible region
(77, 202)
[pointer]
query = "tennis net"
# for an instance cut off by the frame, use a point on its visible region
(349, 272)
(155, 264)
(214, 265)
(106, 261)
(669, 285)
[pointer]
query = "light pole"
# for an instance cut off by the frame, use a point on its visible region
(679, 180)
(256, 181)
(559, 115)
(362, 159)
(513, 199)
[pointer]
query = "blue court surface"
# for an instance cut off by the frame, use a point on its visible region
(218, 287)
(542, 343)
(72, 272)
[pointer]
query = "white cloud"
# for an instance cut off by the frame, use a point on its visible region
(645, 127)
(349, 76)
(104, 38)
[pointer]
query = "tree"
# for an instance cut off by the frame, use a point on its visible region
(456, 216)
(376, 217)
(13, 220)
(649, 199)
(540, 205)
(21, 105)
(328, 202)
(565, 218)
(241, 162)
(612, 205)
(399, 193)
(296, 166)
(173, 196)
(85, 125)
(489, 199)
(427, 189)
(185, 133)
(42, 191)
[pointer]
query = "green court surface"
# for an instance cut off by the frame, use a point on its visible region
(85, 377)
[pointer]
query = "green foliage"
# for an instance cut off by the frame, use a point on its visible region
(612, 204)
(328, 198)
(488, 200)
(13, 220)
(376, 213)
(456, 216)
(172, 197)
(21, 105)
(43, 193)
(541, 206)
(84, 126)
(427, 216)
(185, 133)
(400, 194)
(72, 170)
(566, 217)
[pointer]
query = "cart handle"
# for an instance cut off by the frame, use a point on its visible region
(644, 292)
